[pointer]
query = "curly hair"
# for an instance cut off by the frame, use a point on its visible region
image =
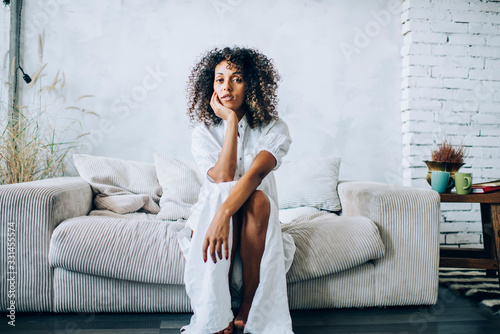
(261, 82)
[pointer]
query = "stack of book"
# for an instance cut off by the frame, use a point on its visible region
(486, 187)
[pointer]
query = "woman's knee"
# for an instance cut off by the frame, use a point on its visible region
(257, 208)
(257, 203)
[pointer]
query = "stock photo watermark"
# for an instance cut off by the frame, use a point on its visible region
(225, 6)
(420, 320)
(11, 273)
(482, 92)
(48, 9)
(121, 108)
(364, 36)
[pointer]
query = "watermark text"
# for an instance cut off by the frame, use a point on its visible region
(11, 273)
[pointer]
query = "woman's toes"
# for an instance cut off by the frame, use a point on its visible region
(229, 329)
(239, 322)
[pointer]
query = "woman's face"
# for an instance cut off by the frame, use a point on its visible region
(229, 86)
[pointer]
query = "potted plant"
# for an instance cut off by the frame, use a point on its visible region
(447, 158)
(31, 147)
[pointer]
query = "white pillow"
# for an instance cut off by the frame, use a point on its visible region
(181, 182)
(121, 186)
(288, 216)
(310, 182)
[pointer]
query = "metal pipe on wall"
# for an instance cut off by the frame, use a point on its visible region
(14, 46)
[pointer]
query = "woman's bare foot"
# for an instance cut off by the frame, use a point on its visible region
(239, 323)
(229, 329)
(241, 319)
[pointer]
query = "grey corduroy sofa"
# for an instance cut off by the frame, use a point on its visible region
(43, 220)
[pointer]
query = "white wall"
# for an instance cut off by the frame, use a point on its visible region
(4, 58)
(451, 83)
(451, 87)
(339, 61)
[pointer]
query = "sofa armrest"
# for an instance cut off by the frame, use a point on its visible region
(29, 212)
(408, 220)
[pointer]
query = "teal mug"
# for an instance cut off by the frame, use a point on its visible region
(441, 181)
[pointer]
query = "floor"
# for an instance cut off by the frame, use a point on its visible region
(451, 315)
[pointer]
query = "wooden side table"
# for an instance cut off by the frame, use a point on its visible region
(489, 257)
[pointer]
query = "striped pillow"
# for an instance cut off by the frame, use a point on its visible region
(181, 182)
(328, 244)
(120, 186)
(311, 182)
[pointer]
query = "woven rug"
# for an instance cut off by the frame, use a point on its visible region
(473, 284)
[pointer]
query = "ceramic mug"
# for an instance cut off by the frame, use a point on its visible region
(441, 181)
(463, 183)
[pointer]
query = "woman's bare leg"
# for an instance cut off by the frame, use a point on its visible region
(255, 219)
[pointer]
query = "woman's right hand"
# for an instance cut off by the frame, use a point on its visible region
(217, 237)
(219, 110)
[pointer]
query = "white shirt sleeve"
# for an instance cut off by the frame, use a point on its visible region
(205, 149)
(275, 139)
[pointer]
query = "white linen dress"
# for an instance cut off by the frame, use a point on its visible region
(207, 283)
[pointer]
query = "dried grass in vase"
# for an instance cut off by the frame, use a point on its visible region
(446, 152)
(34, 145)
(30, 151)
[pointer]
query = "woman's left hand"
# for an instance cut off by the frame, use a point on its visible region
(217, 236)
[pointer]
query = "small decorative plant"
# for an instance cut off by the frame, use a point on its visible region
(30, 150)
(447, 158)
(446, 152)
(36, 145)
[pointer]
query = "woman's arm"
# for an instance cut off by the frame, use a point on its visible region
(225, 167)
(218, 233)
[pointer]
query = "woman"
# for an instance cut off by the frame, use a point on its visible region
(235, 254)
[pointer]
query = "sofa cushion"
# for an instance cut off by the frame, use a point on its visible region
(148, 251)
(290, 215)
(136, 250)
(310, 183)
(132, 215)
(327, 243)
(121, 186)
(181, 182)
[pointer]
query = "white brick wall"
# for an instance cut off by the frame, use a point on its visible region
(451, 87)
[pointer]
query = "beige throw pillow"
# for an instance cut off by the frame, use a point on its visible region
(309, 182)
(120, 186)
(181, 182)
